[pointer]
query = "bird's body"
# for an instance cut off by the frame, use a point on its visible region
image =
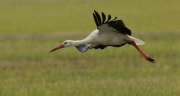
(108, 33)
(96, 38)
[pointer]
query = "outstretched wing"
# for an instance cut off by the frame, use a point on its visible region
(103, 24)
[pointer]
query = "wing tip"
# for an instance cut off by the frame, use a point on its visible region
(99, 20)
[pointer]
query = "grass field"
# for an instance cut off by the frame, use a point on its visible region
(30, 29)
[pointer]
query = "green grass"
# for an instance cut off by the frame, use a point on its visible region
(28, 69)
(30, 29)
(40, 17)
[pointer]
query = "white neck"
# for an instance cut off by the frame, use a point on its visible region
(79, 42)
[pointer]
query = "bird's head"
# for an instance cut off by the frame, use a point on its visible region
(66, 43)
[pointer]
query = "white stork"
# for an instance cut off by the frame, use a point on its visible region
(109, 32)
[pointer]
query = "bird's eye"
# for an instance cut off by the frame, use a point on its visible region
(65, 42)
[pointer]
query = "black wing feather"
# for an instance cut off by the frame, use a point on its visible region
(116, 24)
(95, 19)
(109, 17)
(103, 17)
(115, 18)
(104, 46)
(119, 26)
(98, 18)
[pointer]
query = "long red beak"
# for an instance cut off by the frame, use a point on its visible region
(142, 53)
(59, 47)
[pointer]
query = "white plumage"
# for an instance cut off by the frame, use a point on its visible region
(108, 33)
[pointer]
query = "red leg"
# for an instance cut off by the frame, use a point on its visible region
(142, 53)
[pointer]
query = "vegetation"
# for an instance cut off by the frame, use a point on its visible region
(30, 29)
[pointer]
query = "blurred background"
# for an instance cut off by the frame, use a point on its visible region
(29, 29)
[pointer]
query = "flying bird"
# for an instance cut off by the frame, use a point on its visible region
(109, 32)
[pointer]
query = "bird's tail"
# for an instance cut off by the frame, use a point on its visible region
(137, 41)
